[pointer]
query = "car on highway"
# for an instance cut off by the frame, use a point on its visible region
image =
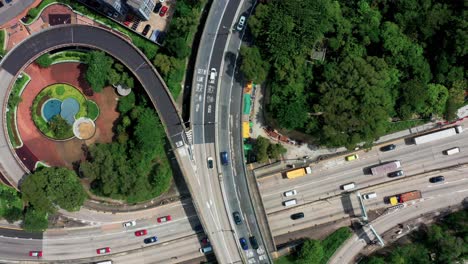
(352, 157)
(157, 7)
(164, 219)
(213, 74)
(129, 223)
(141, 232)
(290, 193)
(237, 218)
(103, 250)
(163, 11)
(224, 158)
(243, 243)
(150, 240)
(388, 147)
(368, 196)
(437, 179)
(210, 162)
(397, 173)
(206, 249)
(297, 216)
(253, 242)
(35, 254)
(348, 186)
(241, 23)
(146, 30)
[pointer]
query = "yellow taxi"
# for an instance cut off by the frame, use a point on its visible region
(352, 157)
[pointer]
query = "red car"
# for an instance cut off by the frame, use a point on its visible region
(103, 250)
(141, 232)
(163, 219)
(35, 254)
(163, 11)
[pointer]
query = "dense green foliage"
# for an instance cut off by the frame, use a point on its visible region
(384, 59)
(49, 188)
(447, 242)
(135, 167)
(11, 206)
(59, 127)
(317, 252)
(253, 66)
(44, 61)
(35, 220)
(264, 149)
(2, 41)
(99, 68)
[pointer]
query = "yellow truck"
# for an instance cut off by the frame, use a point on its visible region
(296, 173)
(404, 197)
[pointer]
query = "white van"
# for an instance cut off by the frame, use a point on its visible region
(213, 74)
(290, 193)
(290, 202)
(348, 186)
(368, 196)
(452, 151)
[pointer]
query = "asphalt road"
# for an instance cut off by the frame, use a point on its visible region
(328, 176)
(347, 206)
(204, 112)
(442, 196)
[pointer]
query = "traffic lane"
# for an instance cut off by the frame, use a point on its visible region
(177, 209)
(352, 246)
(341, 207)
(18, 248)
(330, 185)
(174, 252)
(116, 237)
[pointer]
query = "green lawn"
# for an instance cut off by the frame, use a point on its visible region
(66, 56)
(93, 109)
(12, 105)
(2, 41)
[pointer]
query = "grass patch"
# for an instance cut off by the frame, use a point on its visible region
(288, 259)
(9, 197)
(2, 41)
(93, 109)
(13, 102)
(393, 127)
(66, 56)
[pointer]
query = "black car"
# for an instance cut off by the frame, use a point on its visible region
(437, 179)
(1, 4)
(388, 147)
(146, 30)
(150, 240)
(237, 218)
(297, 216)
(253, 242)
(397, 173)
(157, 7)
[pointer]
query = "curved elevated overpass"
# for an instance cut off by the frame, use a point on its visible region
(94, 37)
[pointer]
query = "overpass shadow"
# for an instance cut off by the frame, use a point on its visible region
(347, 204)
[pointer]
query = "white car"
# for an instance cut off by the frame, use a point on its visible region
(290, 193)
(129, 223)
(241, 23)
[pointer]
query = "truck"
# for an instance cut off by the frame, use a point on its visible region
(404, 197)
(385, 168)
(296, 173)
(438, 135)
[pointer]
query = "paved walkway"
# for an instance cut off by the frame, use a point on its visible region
(14, 11)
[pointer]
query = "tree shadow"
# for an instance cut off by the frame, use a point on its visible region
(87, 90)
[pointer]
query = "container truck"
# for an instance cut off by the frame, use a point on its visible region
(404, 197)
(298, 172)
(385, 168)
(438, 135)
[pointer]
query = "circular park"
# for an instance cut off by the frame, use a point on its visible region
(57, 107)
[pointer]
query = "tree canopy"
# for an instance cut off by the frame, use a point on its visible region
(49, 188)
(384, 60)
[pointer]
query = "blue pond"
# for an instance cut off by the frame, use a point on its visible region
(67, 109)
(51, 108)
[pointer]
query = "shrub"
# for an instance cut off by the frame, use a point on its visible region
(44, 61)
